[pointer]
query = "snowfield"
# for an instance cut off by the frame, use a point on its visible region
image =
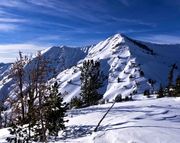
(143, 121)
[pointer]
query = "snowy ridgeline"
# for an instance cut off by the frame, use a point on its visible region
(148, 121)
(131, 67)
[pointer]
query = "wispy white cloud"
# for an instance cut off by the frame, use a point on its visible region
(67, 15)
(61, 9)
(8, 16)
(21, 46)
(12, 20)
(8, 20)
(78, 10)
(125, 2)
(49, 37)
(9, 52)
(44, 3)
(161, 39)
(12, 3)
(7, 27)
(132, 21)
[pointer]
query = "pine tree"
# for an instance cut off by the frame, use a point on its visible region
(19, 133)
(1, 109)
(47, 116)
(45, 110)
(160, 92)
(56, 111)
(118, 80)
(76, 102)
(170, 79)
(91, 81)
(177, 88)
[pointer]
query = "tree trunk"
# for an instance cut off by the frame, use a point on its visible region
(41, 119)
(104, 117)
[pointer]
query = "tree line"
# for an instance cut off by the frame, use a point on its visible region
(172, 89)
(37, 109)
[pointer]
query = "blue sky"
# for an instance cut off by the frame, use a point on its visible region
(31, 25)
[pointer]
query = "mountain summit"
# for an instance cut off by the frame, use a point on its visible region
(131, 66)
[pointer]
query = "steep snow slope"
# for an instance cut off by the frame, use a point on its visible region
(130, 61)
(60, 58)
(128, 65)
(4, 72)
(158, 64)
(65, 56)
(147, 121)
(4, 68)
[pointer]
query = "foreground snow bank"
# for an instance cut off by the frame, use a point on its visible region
(148, 121)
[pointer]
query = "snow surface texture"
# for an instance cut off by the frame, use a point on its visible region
(120, 57)
(145, 121)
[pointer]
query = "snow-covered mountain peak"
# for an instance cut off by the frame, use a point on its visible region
(104, 49)
(128, 64)
(117, 36)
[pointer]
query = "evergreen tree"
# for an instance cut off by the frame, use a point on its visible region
(177, 88)
(160, 92)
(75, 102)
(91, 81)
(118, 98)
(45, 110)
(56, 111)
(170, 79)
(19, 133)
(1, 109)
(119, 80)
(3, 114)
